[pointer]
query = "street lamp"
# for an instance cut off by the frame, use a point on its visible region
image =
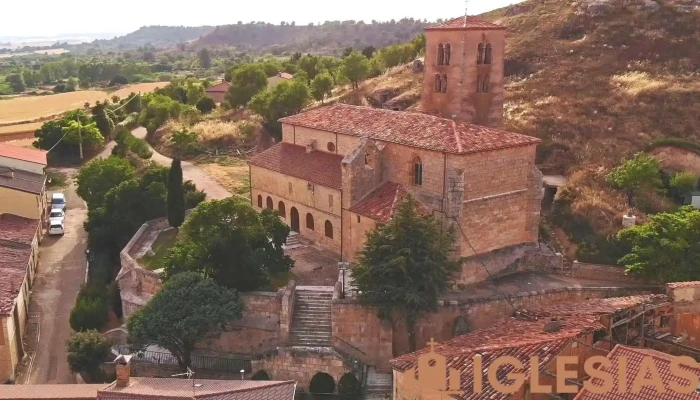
(343, 266)
(242, 374)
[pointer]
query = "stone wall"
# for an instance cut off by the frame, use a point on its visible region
(301, 364)
(686, 305)
(600, 272)
(509, 260)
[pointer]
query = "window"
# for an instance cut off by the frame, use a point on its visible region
(485, 84)
(487, 56)
(479, 83)
(330, 200)
(290, 187)
(329, 229)
(416, 171)
(440, 54)
(259, 201)
(281, 209)
(448, 49)
(309, 221)
(330, 146)
(444, 83)
(480, 55)
(438, 83)
(269, 203)
(358, 219)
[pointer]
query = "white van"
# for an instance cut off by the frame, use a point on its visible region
(56, 227)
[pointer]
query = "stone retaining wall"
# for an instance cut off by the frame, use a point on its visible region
(301, 364)
(600, 271)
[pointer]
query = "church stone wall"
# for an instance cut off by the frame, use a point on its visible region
(344, 144)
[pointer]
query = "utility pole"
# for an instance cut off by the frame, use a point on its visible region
(80, 138)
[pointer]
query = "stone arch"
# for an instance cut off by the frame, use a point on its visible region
(281, 209)
(440, 54)
(294, 219)
(349, 385)
(416, 171)
(480, 54)
(443, 86)
(309, 221)
(269, 204)
(448, 51)
(259, 201)
(329, 229)
(322, 383)
(438, 83)
(488, 54)
(261, 375)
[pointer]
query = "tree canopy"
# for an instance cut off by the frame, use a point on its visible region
(87, 350)
(231, 243)
(322, 85)
(355, 68)
(405, 266)
(187, 308)
(641, 171)
(99, 176)
(287, 98)
(176, 195)
(246, 82)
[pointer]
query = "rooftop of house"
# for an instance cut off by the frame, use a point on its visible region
(14, 228)
(23, 153)
(169, 388)
(381, 203)
(318, 167)
(412, 129)
(219, 87)
(53, 392)
(285, 75)
(21, 180)
(13, 268)
(680, 285)
(634, 356)
(598, 306)
(457, 24)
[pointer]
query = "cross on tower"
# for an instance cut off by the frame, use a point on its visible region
(466, 8)
(432, 344)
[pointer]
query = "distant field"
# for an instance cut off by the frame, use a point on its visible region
(29, 109)
(48, 51)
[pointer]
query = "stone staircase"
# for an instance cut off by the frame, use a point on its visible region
(378, 383)
(293, 241)
(311, 321)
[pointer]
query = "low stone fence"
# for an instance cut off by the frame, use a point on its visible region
(600, 272)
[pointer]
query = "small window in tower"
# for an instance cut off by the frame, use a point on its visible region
(480, 55)
(358, 219)
(487, 56)
(438, 83)
(448, 50)
(485, 84)
(479, 83)
(444, 83)
(416, 171)
(330, 200)
(290, 187)
(440, 54)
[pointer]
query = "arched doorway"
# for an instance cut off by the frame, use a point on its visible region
(281, 209)
(294, 216)
(322, 383)
(269, 203)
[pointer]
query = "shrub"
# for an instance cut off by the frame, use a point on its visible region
(118, 80)
(89, 313)
(206, 105)
(184, 140)
(86, 352)
(260, 376)
(322, 383)
(349, 385)
(115, 298)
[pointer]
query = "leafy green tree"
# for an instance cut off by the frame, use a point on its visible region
(239, 255)
(355, 68)
(322, 85)
(76, 132)
(182, 313)
(103, 120)
(204, 58)
(71, 85)
(287, 98)
(684, 182)
(641, 171)
(418, 44)
(369, 51)
(195, 92)
(247, 81)
(87, 351)
(118, 80)
(206, 105)
(16, 82)
(176, 195)
(99, 176)
(261, 375)
(89, 313)
(666, 248)
(405, 266)
(346, 52)
(310, 65)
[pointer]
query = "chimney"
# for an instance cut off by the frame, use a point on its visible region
(123, 368)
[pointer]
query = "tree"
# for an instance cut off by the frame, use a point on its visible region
(309, 64)
(89, 313)
(287, 98)
(206, 104)
(322, 85)
(369, 51)
(239, 255)
(247, 81)
(355, 68)
(405, 266)
(16, 82)
(78, 133)
(641, 171)
(666, 248)
(346, 52)
(99, 176)
(71, 85)
(118, 80)
(181, 313)
(87, 351)
(102, 119)
(204, 58)
(176, 195)
(684, 182)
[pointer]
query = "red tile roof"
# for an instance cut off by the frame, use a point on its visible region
(142, 388)
(219, 87)
(22, 180)
(18, 229)
(53, 392)
(23, 153)
(381, 203)
(408, 128)
(519, 339)
(634, 356)
(317, 167)
(677, 285)
(597, 306)
(13, 268)
(472, 23)
(285, 75)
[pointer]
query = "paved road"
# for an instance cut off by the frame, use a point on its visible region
(190, 172)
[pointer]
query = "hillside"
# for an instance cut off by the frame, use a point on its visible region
(159, 36)
(328, 38)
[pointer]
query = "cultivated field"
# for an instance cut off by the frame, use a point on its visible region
(23, 112)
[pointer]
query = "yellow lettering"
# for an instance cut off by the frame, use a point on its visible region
(641, 379)
(478, 373)
(598, 373)
(517, 377)
(535, 386)
(684, 374)
(563, 374)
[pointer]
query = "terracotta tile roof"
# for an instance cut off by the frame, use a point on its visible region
(408, 128)
(170, 388)
(13, 268)
(218, 88)
(23, 153)
(14, 228)
(634, 356)
(21, 180)
(519, 339)
(317, 167)
(53, 392)
(285, 75)
(381, 203)
(597, 306)
(677, 285)
(472, 23)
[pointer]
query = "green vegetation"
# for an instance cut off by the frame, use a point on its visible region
(674, 142)
(91, 309)
(182, 313)
(101, 175)
(636, 173)
(87, 351)
(161, 248)
(246, 81)
(176, 195)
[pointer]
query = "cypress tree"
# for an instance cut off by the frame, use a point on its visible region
(176, 195)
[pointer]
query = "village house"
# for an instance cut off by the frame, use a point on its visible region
(218, 91)
(22, 182)
(18, 261)
(277, 79)
(341, 169)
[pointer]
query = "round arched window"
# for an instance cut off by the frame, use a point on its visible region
(331, 146)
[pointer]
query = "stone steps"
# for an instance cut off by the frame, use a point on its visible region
(311, 320)
(293, 241)
(378, 382)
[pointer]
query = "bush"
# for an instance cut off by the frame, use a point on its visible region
(89, 313)
(349, 385)
(118, 80)
(206, 104)
(115, 298)
(260, 376)
(86, 352)
(322, 383)
(185, 141)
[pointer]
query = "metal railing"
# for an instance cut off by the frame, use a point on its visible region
(233, 364)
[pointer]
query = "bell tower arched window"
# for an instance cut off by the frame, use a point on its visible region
(444, 83)
(448, 53)
(440, 54)
(480, 55)
(438, 83)
(487, 55)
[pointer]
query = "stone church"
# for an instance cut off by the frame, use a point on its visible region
(341, 169)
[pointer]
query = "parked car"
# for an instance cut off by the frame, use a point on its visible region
(57, 214)
(58, 200)
(56, 227)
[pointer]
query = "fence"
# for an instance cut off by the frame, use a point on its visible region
(199, 362)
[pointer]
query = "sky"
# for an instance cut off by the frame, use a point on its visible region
(89, 17)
